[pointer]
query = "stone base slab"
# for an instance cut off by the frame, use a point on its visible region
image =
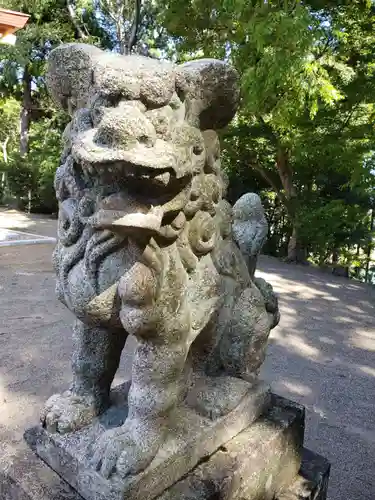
(193, 438)
(312, 480)
(25, 477)
(257, 464)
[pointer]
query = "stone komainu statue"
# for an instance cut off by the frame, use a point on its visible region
(148, 246)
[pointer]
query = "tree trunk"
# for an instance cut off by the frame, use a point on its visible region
(25, 120)
(3, 174)
(25, 116)
(293, 246)
(127, 40)
(296, 252)
(370, 247)
(335, 256)
(4, 147)
(121, 36)
(135, 27)
(285, 173)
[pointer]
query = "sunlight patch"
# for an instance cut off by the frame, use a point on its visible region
(10, 237)
(296, 388)
(368, 370)
(300, 346)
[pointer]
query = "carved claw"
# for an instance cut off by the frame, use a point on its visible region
(67, 412)
(126, 450)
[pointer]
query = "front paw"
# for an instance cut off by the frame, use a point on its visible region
(67, 412)
(127, 450)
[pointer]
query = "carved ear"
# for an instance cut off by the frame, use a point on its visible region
(69, 74)
(210, 90)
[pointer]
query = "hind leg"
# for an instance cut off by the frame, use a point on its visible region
(243, 344)
(96, 356)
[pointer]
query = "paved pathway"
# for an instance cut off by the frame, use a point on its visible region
(322, 355)
(30, 223)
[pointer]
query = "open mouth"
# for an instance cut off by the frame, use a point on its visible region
(137, 160)
(149, 186)
(133, 201)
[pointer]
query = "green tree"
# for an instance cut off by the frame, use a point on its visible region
(22, 81)
(307, 94)
(135, 26)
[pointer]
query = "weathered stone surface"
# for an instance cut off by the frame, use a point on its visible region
(210, 88)
(190, 437)
(250, 228)
(216, 396)
(312, 480)
(26, 477)
(257, 464)
(145, 247)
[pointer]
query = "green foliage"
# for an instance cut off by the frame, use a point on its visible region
(30, 177)
(9, 115)
(29, 172)
(331, 225)
(304, 133)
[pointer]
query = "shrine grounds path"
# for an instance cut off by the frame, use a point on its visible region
(322, 355)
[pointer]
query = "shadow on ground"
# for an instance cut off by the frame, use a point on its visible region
(323, 355)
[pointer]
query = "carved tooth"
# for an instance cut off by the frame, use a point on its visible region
(164, 178)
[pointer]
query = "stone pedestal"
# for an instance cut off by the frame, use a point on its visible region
(25, 477)
(228, 458)
(194, 436)
(312, 480)
(267, 461)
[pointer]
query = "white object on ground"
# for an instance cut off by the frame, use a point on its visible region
(9, 237)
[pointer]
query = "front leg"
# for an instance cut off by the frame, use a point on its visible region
(155, 389)
(96, 356)
(156, 311)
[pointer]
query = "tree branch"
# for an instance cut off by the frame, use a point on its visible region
(271, 182)
(347, 120)
(275, 138)
(282, 164)
(108, 11)
(4, 148)
(73, 18)
(135, 27)
(324, 48)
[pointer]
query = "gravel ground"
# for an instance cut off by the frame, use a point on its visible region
(322, 355)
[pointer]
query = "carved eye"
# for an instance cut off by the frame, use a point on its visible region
(197, 150)
(194, 196)
(113, 100)
(181, 94)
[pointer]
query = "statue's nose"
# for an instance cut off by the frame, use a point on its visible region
(124, 127)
